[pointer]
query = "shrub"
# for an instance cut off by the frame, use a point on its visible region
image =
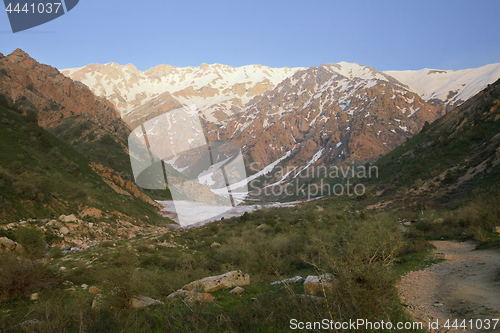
(32, 240)
(22, 277)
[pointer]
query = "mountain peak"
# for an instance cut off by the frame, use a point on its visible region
(20, 53)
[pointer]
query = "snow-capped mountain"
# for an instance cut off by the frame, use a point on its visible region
(451, 87)
(327, 115)
(292, 118)
(216, 90)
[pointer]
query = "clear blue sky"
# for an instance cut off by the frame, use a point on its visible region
(387, 35)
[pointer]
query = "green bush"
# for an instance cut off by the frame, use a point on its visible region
(22, 277)
(31, 238)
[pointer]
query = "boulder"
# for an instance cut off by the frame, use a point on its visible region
(214, 244)
(97, 301)
(34, 297)
(496, 229)
(203, 298)
(7, 243)
(178, 293)
(68, 218)
(64, 231)
(314, 284)
(214, 283)
(295, 279)
(138, 302)
(19, 248)
(94, 290)
(237, 290)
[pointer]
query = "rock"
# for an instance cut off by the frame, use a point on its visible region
(214, 244)
(97, 301)
(203, 298)
(84, 286)
(69, 218)
(237, 291)
(438, 304)
(496, 229)
(71, 289)
(214, 283)
(178, 293)
(7, 243)
(438, 256)
(62, 269)
(314, 284)
(94, 290)
(295, 279)
(34, 297)
(19, 248)
(64, 231)
(138, 302)
(262, 226)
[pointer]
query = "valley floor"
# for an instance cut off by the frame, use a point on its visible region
(461, 287)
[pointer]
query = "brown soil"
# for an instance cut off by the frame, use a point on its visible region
(464, 286)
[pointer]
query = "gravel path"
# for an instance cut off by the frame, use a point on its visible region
(462, 287)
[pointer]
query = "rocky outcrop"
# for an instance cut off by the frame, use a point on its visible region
(214, 283)
(318, 284)
(7, 244)
(203, 298)
(138, 302)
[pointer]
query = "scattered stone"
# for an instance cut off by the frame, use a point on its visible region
(97, 301)
(314, 284)
(91, 224)
(237, 291)
(295, 279)
(68, 218)
(34, 297)
(214, 244)
(214, 283)
(203, 298)
(19, 248)
(178, 293)
(71, 289)
(62, 269)
(438, 256)
(94, 290)
(7, 243)
(64, 231)
(138, 302)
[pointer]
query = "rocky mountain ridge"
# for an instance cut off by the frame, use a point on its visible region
(216, 90)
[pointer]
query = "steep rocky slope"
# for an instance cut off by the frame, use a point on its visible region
(448, 158)
(66, 108)
(324, 116)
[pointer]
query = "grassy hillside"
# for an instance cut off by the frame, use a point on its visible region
(43, 176)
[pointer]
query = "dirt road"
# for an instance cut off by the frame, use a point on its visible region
(464, 287)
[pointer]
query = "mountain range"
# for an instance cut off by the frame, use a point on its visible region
(293, 118)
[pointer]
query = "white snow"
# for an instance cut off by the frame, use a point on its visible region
(429, 83)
